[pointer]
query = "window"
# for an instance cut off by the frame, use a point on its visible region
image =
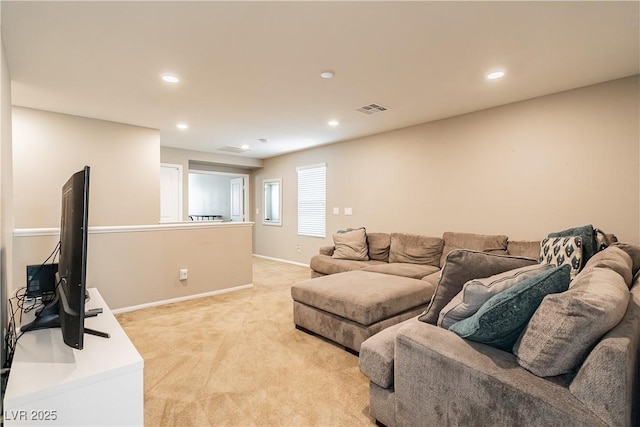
(312, 200)
(272, 201)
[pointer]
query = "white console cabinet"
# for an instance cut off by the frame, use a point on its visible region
(51, 384)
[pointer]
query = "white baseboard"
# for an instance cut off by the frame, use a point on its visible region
(281, 260)
(185, 298)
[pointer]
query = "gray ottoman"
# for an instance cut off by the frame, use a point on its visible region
(349, 307)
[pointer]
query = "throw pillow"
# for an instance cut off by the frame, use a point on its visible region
(562, 250)
(461, 266)
(478, 291)
(603, 240)
(566, 326)
(500, 321)
(415, 249)
(477, 242)
(351, 245)
(588, 239)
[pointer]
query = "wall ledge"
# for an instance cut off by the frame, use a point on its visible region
(28, 232)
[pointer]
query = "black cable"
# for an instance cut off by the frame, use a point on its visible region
(20, 296)
(53, 254)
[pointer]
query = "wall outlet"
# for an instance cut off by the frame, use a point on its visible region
(298, 248)
(183, 273)
(336, 211)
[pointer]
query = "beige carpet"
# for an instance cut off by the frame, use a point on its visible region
(237, 360)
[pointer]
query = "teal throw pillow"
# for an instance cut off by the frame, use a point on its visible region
(501, 320)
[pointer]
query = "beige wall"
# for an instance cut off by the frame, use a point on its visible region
(524, 170)
(6, 194)
(48, 147)
(129, 267)
(134, 267)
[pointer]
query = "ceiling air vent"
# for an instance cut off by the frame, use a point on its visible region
(232, 149)
(371, 109)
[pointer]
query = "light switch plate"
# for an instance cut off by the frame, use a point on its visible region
(348, 211)
(336, 211)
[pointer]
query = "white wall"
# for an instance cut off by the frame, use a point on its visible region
(523, 170)
(210, 194)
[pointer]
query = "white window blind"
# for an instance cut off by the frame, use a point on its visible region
(311, 200)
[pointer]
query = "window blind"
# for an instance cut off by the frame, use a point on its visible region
(312, 200)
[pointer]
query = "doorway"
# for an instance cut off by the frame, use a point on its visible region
(218, 195)
(170, 192)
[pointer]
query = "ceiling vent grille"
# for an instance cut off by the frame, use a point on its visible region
(233, 149)
(371, 109)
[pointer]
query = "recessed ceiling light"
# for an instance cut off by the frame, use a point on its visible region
(182, 126)
(170, 79)
(245, 146)
(495, 75)
(333, 123)
(326, 74)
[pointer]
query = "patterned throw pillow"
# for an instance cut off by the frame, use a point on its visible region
(588, 239)
(558, 251)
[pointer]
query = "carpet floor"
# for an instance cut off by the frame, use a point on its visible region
(236, 359)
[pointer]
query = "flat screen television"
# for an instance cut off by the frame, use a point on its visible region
(67, 309)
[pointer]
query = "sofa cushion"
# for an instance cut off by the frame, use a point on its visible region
(500, 321)
(567, 325)
(524, 248)
(478, 242)
(588, 236)
(478, 291)
(415, 271)
(326, 264)
(351, 244)
(415, 249)
(461, 266)
(633, 251)
(562, 250)
(361, 296)
(379, 246)
(376, 355)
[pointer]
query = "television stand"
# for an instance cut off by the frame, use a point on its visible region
(97, 333)
(51, 383)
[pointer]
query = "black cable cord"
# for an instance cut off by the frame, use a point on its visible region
(20, 296)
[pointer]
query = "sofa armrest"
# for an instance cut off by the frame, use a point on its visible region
(326, 250)
(609, 379)
(442, 379)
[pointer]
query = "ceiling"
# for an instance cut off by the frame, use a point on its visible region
(251, 70)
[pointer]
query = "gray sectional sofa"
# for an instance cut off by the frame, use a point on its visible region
(370, 281)
(574, 364)
(478, 330)
(415, 256)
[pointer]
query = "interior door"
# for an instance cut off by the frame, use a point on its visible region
(237, 199)
(170, 193)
